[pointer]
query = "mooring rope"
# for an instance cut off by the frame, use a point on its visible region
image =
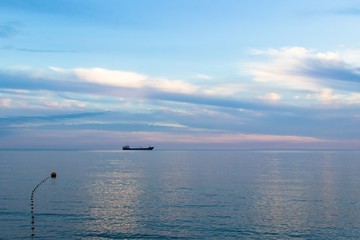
(53, 175)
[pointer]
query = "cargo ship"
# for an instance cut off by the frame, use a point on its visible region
(127, 147)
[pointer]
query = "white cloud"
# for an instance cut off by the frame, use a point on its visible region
(135, 80)
(16, 91)
(321, 74)
(202, 76)
(175, 86)
(223, 89)
(132, 80)
(274, 97)
(352, 56)
(330, 97)
(217, 137)
(327, 96)
(6, 103)
(166, 124)
(292, 66)
(64, 104)
(111, 77)
(353, 98)
(281, 68)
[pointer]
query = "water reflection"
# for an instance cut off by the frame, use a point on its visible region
(305, 196)
(277, 211)
(113, 197)
(213, 195)
(329, 191)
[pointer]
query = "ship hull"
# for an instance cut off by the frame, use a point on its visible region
(129, 148)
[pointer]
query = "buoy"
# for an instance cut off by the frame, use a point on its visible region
(53, 175)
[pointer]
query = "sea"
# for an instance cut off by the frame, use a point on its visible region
(163, 194)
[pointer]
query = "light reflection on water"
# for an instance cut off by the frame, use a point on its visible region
(182, 194)
(114, 197)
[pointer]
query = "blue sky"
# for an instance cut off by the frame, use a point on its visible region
(180, 74)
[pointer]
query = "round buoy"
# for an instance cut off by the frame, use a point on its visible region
(53, 175)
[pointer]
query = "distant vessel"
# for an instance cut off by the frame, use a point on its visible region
(127, 147)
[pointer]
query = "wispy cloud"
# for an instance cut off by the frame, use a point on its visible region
(47, 118)
(203, 76)
(321, 74)
(271, 97)
(303, 68)
(115, 83)
(5, 102)
(217, 137)
(132, 80)
(44, 50)
(281, 68)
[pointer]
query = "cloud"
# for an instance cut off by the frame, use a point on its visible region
(354, 98)
(224, 89)
(330, 69)
(306, 69)
(274, 97)
(222, 95)
(327, 96)
(285, 70)
(281, 68)
(113, 83)
(217, 101)
(146, 114)
(5, 103)
(36, 80)
(325, 77)
(110, 77)
(24, 119)
(132, 80)
(202, 76)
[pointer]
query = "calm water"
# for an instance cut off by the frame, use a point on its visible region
(181, 194)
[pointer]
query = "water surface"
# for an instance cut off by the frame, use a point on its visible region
(181, 194)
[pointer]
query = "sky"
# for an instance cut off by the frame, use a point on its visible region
(180, 74)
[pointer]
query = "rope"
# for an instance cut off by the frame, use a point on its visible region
(53, 175)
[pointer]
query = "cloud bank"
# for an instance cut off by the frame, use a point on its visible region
(291, 96)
